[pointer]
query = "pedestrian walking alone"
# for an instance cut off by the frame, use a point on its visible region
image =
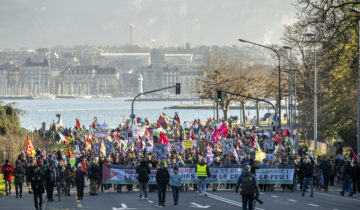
(162, 180)
(36, 180)
(19, 174)
(346, 179)
(7, 170)
(79, 177)
(249, 188)
(202, 172)
(143, 171)
(175, 183)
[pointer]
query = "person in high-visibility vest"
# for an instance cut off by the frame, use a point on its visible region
(202, 171)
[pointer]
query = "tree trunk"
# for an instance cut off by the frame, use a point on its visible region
(226, 111)
(243, 112)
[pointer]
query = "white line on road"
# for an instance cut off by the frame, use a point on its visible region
(291, 200)
(195, 205)
(216, 197)
(261, 193)
(310, 204)
(151, 201)
(275, 196)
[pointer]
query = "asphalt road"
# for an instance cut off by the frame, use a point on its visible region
(190, 200)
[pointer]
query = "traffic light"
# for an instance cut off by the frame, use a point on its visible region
(177, 91)
(218, 93)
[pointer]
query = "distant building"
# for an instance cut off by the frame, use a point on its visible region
(90, 80)
(35, 77)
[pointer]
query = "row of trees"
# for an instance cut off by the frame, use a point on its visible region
(237, 75)
(335, 29)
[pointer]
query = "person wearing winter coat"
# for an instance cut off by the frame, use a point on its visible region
(143, 171)
(79, 177)
(162, 180)
(19, 174)
(7, 170)
(36, 180)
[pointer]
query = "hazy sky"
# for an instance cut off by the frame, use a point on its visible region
(47, 23)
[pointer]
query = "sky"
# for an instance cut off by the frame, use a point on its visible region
(48, 23)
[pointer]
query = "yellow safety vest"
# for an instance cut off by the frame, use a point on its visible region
(201, 171)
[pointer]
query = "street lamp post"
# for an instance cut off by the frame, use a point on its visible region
(315, 90)
(356, 11)
(290, 94)
(278, 55)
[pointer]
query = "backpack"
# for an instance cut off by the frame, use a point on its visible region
(248, 185)
(143, 175)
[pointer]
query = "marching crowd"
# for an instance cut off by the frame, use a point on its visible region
(44, 171)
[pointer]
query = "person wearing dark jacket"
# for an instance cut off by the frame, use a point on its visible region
(308, 170)
(36, 180)
(202, 172)
(19, 174)
(355, 176)
(143, 171)
(346, 182)
(247, 198)
(325, 168)
(68, 175)
(94, 176)
(79, 178)
(162, 180)
(50, 177)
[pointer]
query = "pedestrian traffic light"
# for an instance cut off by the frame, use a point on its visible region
(218, 93)
(177, 91)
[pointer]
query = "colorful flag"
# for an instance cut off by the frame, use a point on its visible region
(216, 136)
(235, 155)
(77, 150)
(355, 158)
(223, 130)
(78, 125)
(209, 155)
(30, 150)
(88, 144)
(163, 139)
(103, 148)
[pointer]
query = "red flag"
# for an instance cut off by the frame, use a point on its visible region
(93, 125)
(198, 122)
(286, 133)
(216, 136)
(67, 140)
(30, 150)
(354, 155)
(88, 144)
(223, 130)
(252, 141)
(163, 139)
(69, 152)
(78, 123)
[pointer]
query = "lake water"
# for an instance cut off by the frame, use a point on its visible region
(107, 110)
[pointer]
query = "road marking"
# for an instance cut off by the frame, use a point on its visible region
(123, 206)
(310, 204)
(275, 196)
(79, 205)
(337, 196)
(291, 200)
(261, 193)
(78, 201)
(195, 205)
(150, 201)
(228, 201)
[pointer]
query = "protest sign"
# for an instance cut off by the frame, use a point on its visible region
(188, 144)
(160, 151)
(116, 174)
(228, 147)
(179, 147)
(138, 131)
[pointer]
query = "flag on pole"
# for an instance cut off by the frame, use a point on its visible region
(209, 155)
(216, 136)
(88, 144)
(77, 150)
(223, 130)
(163, 139)
(78, 125)
(103, 148)
(30, 150)
(355, 158)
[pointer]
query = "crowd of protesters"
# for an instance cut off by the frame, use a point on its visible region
(48, 169)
